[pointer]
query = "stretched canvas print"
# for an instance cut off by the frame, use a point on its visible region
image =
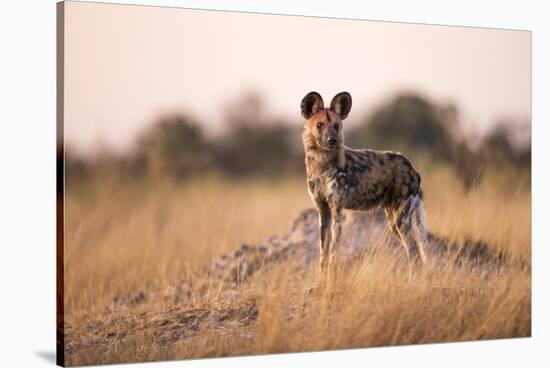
(235, 183)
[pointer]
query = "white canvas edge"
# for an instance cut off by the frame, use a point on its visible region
(27, 193)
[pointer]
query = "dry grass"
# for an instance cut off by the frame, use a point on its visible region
(123, 238)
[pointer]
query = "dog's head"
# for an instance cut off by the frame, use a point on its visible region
(324, 126)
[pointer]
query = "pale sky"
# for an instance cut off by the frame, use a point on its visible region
(125, 65)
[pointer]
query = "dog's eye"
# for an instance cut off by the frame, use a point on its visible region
(320, 126)
(336, 127)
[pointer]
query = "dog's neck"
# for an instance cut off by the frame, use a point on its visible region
(320, 160)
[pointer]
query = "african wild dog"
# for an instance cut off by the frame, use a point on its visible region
(339, 178)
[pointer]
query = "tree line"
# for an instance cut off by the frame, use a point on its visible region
(256, 144)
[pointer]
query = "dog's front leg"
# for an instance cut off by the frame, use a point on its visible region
(337, 219)
(324, 232)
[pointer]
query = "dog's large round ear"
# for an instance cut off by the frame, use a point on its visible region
(341, 104)
(311, 104)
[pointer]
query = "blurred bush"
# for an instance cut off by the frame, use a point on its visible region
(256, 143)
(408, 123)
(173, 146)
(508, 143)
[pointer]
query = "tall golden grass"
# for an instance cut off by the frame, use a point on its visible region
(123, 237)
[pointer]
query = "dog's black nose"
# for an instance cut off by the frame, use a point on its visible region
(332, 141)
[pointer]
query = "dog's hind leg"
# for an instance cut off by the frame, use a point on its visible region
(412, 227)
(402, 220)
(419, 226)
